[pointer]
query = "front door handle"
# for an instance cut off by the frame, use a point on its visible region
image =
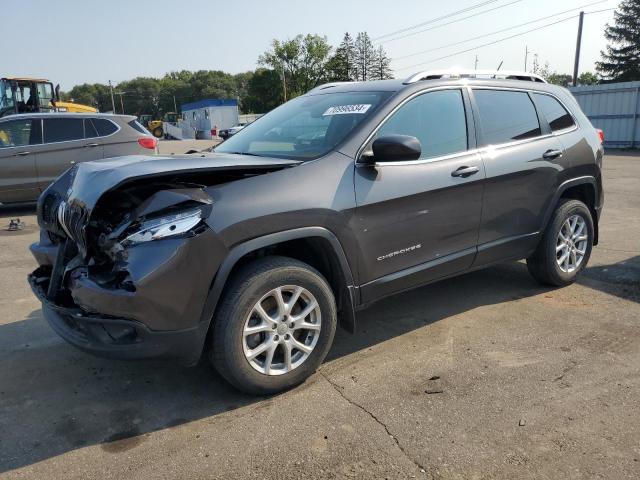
(22, 154)
(92, 145)
(551, 154)
(465, 172)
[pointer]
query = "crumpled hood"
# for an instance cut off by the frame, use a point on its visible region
(92, 179)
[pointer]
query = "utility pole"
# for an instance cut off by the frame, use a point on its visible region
(578, 44)
(175, 107)
(113, 102)
(526, 56)
(121, 102)
(476, 64)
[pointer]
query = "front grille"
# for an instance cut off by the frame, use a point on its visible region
(73, 220)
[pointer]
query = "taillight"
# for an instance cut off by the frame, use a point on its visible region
(601, 135)
(148, 142)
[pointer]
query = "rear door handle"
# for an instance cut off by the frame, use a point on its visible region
(465, 172)
(551, 154)
(92, 145)
(22, 154)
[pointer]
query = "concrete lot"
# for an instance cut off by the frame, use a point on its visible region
(535, 383)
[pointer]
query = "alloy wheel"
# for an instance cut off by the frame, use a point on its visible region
(281, 330)
(571, 244)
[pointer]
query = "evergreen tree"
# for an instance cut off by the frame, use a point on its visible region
(341, 65)
(364, 57)
(621, 61)
(382, 65)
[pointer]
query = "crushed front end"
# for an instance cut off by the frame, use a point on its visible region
(129, 276)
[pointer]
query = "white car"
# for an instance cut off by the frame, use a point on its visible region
(229, 132)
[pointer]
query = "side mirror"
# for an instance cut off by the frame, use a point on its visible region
(394, 148)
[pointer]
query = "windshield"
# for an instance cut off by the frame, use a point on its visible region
(306, 127)
(6, 96)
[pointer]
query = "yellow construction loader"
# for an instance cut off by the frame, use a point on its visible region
(156, 127)
(33, 95)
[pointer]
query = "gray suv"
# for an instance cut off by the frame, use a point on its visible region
(36, 148)
(355, 191)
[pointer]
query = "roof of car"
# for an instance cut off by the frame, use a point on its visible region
(67, 115)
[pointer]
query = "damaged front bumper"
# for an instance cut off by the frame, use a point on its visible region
(117, 337)
(161, 314)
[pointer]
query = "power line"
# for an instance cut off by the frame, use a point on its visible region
(488, 44)
(451, 22)
(497, 31)
(500, 40)
(433, 20)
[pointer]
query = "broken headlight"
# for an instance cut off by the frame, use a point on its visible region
(169, 225)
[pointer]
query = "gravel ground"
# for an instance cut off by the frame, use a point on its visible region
(486, 376)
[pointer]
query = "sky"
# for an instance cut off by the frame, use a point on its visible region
(80, 41)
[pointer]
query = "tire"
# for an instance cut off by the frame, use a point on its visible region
(254, 284)
(157, 132)
(544, 264)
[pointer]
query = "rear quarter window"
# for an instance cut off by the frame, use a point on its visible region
(557, 116)
(138, 127)
(104, 127)
(506, 116)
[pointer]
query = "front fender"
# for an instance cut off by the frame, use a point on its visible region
(239, 251)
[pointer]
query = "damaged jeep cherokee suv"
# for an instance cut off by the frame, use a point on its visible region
(355, 191)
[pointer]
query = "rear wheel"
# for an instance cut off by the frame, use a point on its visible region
(565, 247)
(274, 327)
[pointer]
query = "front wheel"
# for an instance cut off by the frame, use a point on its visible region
(274, 326)
(565, 247)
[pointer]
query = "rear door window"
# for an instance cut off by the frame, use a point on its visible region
(104, 127)
(63, 129)
(554, 112)
(437, 119)
(20, 133)
(506, 116)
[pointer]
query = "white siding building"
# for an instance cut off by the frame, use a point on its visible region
(200, 118)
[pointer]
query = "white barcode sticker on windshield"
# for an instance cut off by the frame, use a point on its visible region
(347, 109)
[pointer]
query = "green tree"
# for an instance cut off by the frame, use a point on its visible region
(302, 60)
(96, 95)
(621, 61)
(381, 69)
(562, 79)
(140, 95)
(341, 66)
(588, 78)
(264, 92)
(364, 57)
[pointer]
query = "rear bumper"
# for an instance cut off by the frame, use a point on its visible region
(117, 337)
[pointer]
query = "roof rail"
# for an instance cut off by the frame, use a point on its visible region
(486, 74)
(324, 86)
